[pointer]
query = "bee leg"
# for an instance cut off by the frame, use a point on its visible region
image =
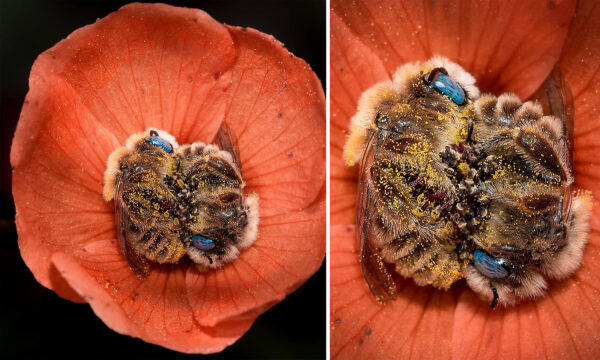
(470, 133)
(209, 258)
(558, 218)
(463, 250)
(495, 299)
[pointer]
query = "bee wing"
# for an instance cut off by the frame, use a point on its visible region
(378, 278)
(227, 140)
(560, 103)
(137, 262)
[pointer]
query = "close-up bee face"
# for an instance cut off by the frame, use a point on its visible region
(456, 185)
(173, 200)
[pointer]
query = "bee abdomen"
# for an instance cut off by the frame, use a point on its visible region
(160, 247)
(441, 271)
(427, 262)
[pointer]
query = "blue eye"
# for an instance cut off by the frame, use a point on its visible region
(438, 78)
(203, 243)
(488, 266)
(158, 141)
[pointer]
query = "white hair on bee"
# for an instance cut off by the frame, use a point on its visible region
(533, 285)
(404, 74)
(364, 120)
(569, 258)
(110, 174)
(251, 232)
(198, 257)
(134, 139)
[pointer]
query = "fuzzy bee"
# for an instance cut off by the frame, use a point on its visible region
(173, 200)
(456, 185)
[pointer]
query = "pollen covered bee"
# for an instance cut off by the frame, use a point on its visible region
(173, 200)
(456, 185)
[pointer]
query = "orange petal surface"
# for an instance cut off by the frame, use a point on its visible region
(353, 69)
(507, 46)
(277, 108)
(415, 326)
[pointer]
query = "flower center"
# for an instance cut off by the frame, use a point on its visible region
(172, 201)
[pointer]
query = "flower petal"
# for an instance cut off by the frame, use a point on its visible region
(354, 68)
(147, 65)
(58, 156)
(289, 249)
(85, 98)
(495, 41)
(414, 326)
(343, 201)
(277, 110)
(156, 309)
(580, 66)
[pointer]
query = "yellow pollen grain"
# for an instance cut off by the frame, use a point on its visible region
(464, 168)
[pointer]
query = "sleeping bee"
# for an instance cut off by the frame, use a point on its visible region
(173, 200)
(456, 185)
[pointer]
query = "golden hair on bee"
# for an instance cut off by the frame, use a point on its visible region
(454, 184)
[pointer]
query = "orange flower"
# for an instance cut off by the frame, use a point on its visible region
(508, 47)
(178, 70)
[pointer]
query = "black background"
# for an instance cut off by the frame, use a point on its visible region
(34, 321)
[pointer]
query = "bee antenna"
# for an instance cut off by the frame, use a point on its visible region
(209, 258)
(153, 133)
(495, 299)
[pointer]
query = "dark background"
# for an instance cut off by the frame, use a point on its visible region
(34, 321)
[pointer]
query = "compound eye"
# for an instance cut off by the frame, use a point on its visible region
(490, 267)
(438, 79)
(203, 243)
(154, 139)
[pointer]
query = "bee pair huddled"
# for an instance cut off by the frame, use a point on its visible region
(454, 184)
(173, 200)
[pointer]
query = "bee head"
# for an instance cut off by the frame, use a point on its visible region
(155, 140)
(436, 78)
(152, 141)
(503, 277)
